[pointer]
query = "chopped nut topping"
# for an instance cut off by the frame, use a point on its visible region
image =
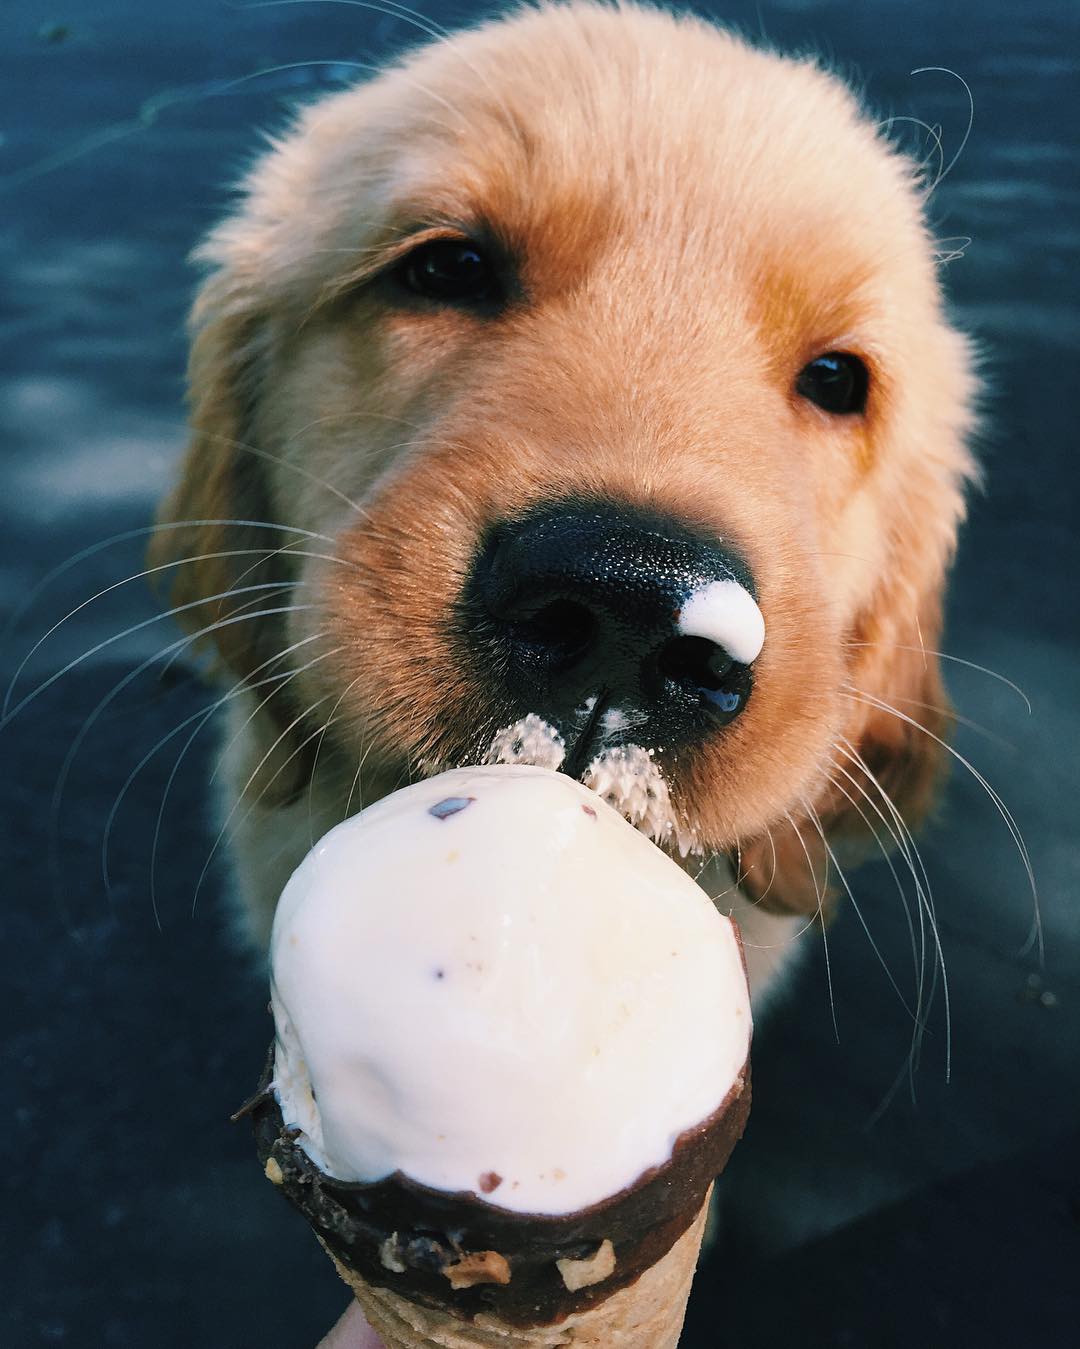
(273, 1171)
(478, 1267)
(594, 1269)
(390, 1255)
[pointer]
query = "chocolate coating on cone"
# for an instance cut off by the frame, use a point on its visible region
(408, 1237)
(648, 1314)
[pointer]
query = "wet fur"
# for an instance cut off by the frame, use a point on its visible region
(691, 220)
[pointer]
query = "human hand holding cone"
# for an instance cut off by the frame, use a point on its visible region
(511, 1056)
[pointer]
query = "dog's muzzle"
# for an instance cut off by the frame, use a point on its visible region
(615, 624)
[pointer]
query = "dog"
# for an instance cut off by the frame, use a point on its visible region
(583, 380)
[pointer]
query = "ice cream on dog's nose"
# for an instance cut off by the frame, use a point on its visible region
(511, 1055)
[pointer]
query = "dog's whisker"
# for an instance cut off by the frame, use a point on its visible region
(357, 415)
(933, 134)
(262, 704)
(202, 716)
(910, 844)
(793, 936)
(422, 22)
(390, 8)
(291, 549)
(922, 642)
(318, 731)
(775, 861)
(318, 750)
(171, 650)
(759, 899)
(365, 67)
(918, 951)
(354, 788)
(127, 536)
(237, 587)
(903, 839)
(850, 557)
(952, 715)
(945, 255)
(1035, 938)
(956, 660)
(264, 555)
(788, 941)
(732, 889)
(739, 875)
(284, 588)
(820, 897)
(233, 443)
(90, 721)
(926, 909)
(918, 958)
(815, 820)
(130, 631)
(149, 110)
(944, 70)
(904, 1073)
(296, 721)
(896, 832)
(233, 692)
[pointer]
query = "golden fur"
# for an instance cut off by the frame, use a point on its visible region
(692, 220)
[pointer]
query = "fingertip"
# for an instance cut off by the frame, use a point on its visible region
(351, 1332)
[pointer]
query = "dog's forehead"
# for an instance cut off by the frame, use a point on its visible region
(601, 144)
(576, 131)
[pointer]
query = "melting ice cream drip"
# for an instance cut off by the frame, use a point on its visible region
(626, 777)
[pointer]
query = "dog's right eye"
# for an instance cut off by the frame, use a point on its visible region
(451, 271)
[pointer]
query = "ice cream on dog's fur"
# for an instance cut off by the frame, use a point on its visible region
(511, 1056)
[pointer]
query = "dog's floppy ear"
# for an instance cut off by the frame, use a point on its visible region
(894, 744)
(892, 749)
(199, 542)
(216, 542)
(888, 759)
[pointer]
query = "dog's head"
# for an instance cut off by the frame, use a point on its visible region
(595, 365)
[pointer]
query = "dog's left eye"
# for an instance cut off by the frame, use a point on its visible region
(838, 382)
(452, 271)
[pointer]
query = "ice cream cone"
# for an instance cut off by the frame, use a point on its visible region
(648, 1314)
(491, 1091)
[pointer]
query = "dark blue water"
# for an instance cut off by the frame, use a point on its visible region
(133, 1213)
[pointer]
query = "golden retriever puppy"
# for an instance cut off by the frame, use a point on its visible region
(585, 374)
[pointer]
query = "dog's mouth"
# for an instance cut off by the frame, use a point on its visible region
(625, 775)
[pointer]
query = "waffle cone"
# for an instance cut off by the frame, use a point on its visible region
(647, 1314)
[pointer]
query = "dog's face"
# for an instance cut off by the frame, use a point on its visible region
(566, 329)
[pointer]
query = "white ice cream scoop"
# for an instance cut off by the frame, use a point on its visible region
(490, 982)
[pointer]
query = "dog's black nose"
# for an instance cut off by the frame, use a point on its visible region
(615, 624)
